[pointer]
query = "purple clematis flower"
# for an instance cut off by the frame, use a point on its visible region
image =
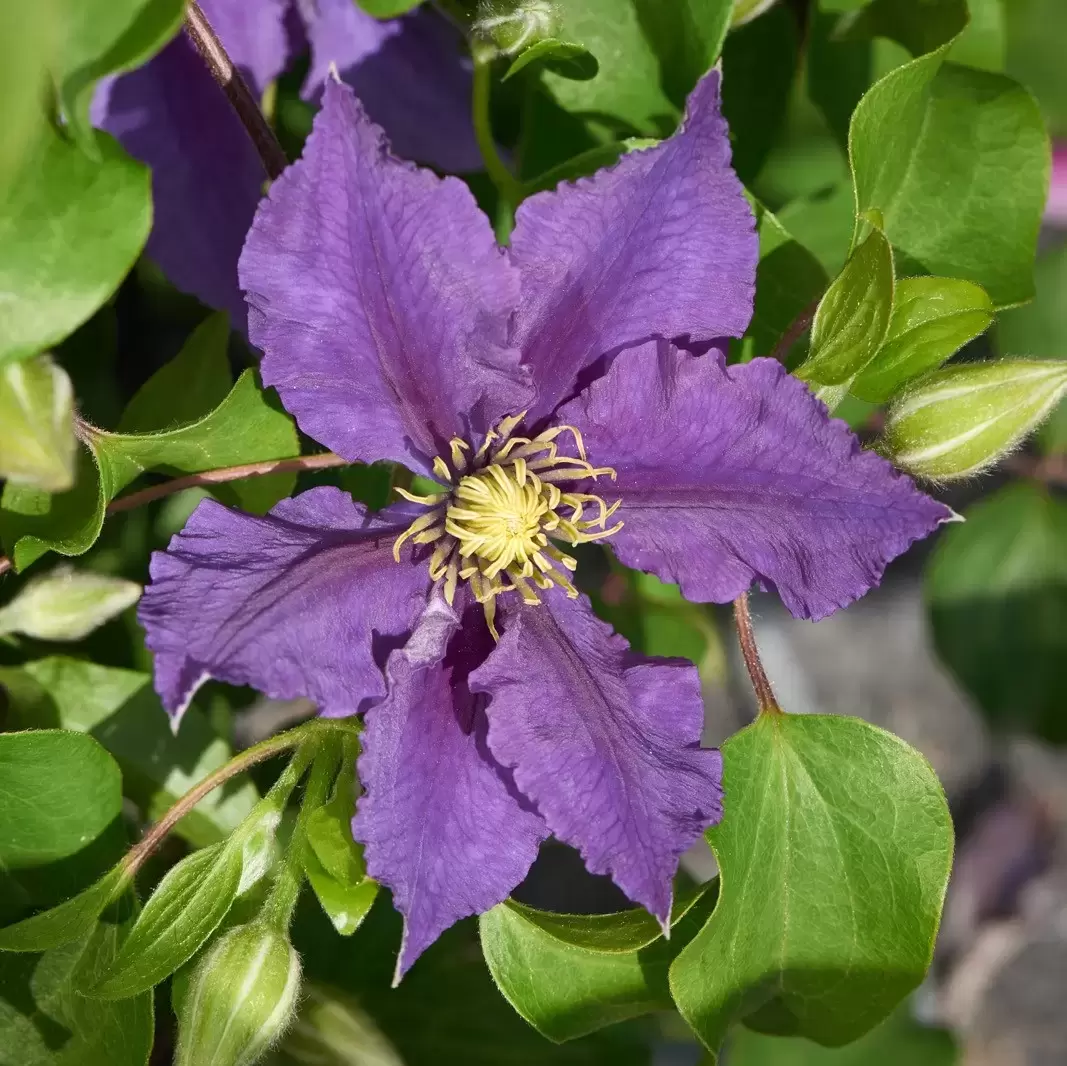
(538, 387)
(410, 73)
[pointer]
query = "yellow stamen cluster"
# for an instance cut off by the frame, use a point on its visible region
(492, 525)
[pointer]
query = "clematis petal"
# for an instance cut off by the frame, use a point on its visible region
(410, 74)
(379, 296)
(660, 245)
(442, 823)
(730, 475)
(206, 175)
(254, 35)
(606, 743)
(306, 601)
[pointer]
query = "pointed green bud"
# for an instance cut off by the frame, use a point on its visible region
(961, 419)
(67, 604)
(240, 999)
(259, 849)
(37, 443)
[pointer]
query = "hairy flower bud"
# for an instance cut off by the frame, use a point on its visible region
(67, 604)
(508, 27)
(37, 445)
(959, 420)
(240, 999)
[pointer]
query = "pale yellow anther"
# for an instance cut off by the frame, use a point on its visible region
(528, 595)
(486, 445)
(440, 468)
(459, 449)
(439, 561)
(551, 434)
(414, 497)
(492, 526)
(428, 536)
(451, 577)
(416, 527)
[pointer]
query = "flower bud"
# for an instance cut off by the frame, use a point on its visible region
(259, 850)
(959, 420)
(240, 999)
(508, 27)
(67, 604)
(37, 444)
(334, 1030)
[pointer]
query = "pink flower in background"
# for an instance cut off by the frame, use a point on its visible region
(1056, 207)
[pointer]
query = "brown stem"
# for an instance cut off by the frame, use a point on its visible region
(214, 477)
(794, 331)
(205, 41)
(137, 855)
(228, 473)
(747, 639)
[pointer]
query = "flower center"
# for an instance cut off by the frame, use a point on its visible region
(493, 525)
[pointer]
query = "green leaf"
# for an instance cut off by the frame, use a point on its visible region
(961, 419)
(346, 904)
(329, 832)
(930, 144)
(447, 1008)
(70, 229)
(687, 37)
(759, 61)
(919, 25)
(788, 279)
(1039, 331)
(932, 319)
(333, 861)
(66, 604)
(186, 908)
(46, 1020)
(625, 98)
(187, 388)
(587, 163)
(569, 975)
(387, 9)
(853, 316)
(28, 37)
(37, 442)
(70, 920)
(121, 710)
(246, 427)
(834, 854)
(564, 58)
(104, 37)
(996, 592)
(897, 1041)
(58, 792)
